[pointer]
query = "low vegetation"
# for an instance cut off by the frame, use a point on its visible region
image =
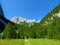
(12, 42)
(29, 42)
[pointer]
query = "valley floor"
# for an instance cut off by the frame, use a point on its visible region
(29, 42)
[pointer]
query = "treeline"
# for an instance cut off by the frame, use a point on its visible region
(38, 30)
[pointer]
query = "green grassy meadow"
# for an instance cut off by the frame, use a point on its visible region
(12, 42)
(29, 42)
(42, 42)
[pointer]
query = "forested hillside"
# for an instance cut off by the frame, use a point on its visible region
(48, 27)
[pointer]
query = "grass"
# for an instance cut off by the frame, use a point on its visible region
(42, 42)
(29, 42)
(12, 42)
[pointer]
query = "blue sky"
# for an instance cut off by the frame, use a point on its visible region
(30, 9)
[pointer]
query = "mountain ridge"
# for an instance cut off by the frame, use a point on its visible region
(18, 19)
(52, 13)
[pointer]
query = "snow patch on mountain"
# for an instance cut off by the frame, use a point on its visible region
(30, 21)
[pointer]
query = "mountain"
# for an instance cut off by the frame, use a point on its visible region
(19, 20)
(51, 17)
(23, 21)
(49, 26)
(50, 22)
(3, 20)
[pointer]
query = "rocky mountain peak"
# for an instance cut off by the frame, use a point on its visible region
(17, 19)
